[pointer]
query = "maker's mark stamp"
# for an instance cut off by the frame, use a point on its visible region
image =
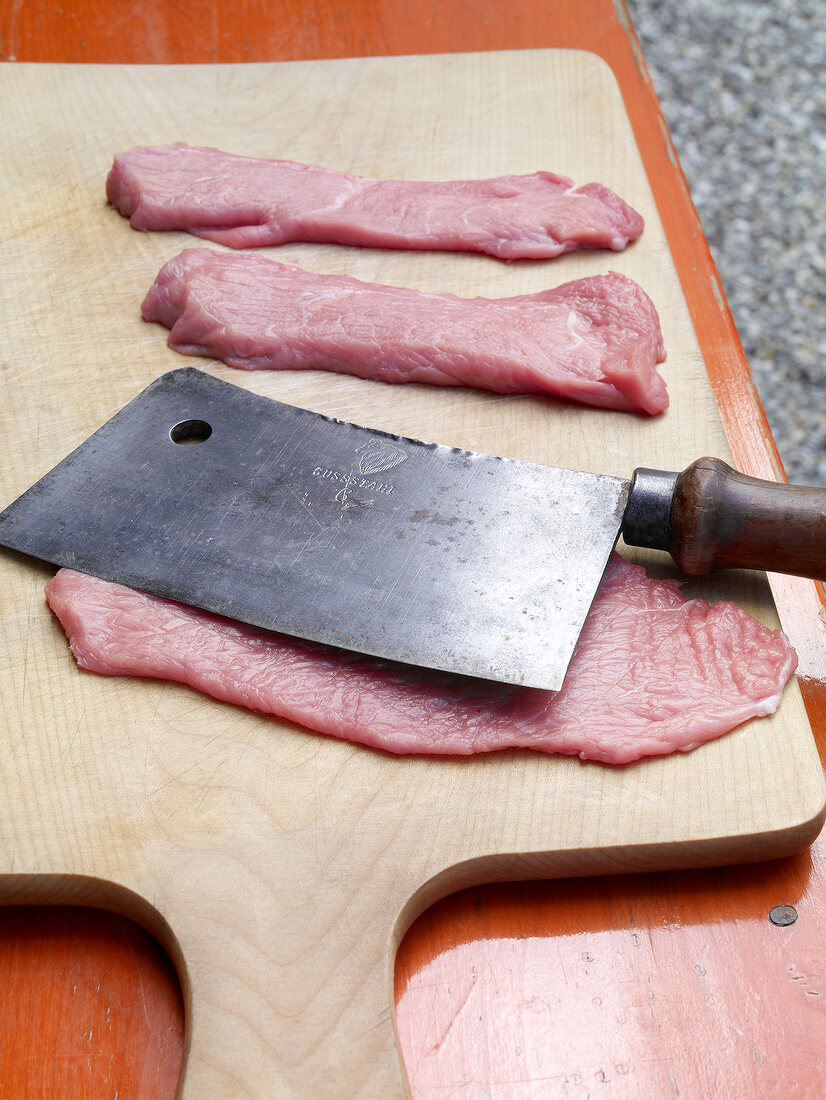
(378, 456)
(375, 457)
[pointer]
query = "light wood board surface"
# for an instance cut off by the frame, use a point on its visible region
(280, 867)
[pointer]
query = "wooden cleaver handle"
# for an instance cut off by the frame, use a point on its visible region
(716, 516)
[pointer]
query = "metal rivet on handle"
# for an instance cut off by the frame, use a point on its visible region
(783, 914)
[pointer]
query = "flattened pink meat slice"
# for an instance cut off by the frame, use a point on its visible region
(653, 674)
(596, 340)
(245, 202)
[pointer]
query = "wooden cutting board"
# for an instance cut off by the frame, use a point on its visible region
(280, 867)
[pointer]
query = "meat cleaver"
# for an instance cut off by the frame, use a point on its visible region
(289, 520)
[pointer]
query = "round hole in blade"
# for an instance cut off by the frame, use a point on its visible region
(190, 432)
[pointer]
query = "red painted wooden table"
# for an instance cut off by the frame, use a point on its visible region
(655, 985)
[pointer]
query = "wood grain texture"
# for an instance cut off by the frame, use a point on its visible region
(635, 986)
(182, 31)
(202, 32)
(720, 516)
(193, 806)
(86, 1030)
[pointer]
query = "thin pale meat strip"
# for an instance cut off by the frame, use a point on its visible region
(653, 673)
(248, 202)
(596, 340)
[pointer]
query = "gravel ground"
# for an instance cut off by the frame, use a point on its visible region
(742, 86)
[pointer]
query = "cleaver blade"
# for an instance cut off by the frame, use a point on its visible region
(203, 492)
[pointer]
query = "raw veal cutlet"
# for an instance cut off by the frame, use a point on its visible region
(247, 202)
(653, 673)
(596, 340)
